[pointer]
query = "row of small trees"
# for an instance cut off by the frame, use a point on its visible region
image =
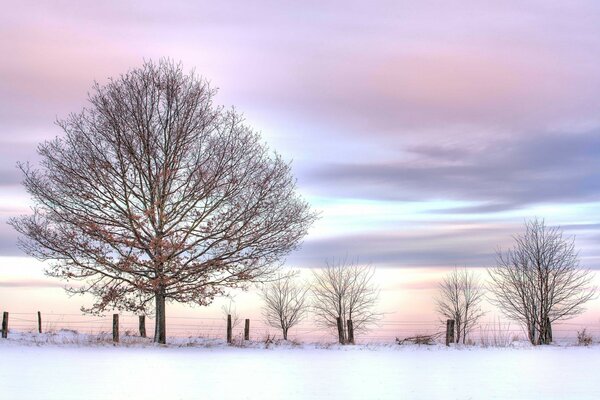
(342, 291)
(536, 282)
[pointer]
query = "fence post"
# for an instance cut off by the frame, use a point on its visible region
(340, 330)
(39, 322)
(116, 328)
(229, 328)
(449, 331)
(142, 325)
(247, 330)
(5, 325)
(350, 332)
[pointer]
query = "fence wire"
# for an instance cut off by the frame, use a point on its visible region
(386, 330)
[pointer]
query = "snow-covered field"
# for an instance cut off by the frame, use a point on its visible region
(70, 366)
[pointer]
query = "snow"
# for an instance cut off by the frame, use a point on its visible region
(68, 365)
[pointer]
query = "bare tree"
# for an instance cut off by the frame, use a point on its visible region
(540, 281)
(459, 298)
(155, 194)
(285, 302)
(345, 289)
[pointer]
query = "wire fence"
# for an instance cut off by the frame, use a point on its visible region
(385, 331)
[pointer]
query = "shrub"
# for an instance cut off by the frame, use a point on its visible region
(584, 338)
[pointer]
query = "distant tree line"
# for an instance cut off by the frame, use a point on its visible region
(537, 282)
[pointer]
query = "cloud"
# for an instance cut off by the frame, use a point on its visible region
(31, 283)
(436, 244)
(429, 245)
(14, 149)
(383, 71)
(423, 284)
(8, 240)
(503, 174)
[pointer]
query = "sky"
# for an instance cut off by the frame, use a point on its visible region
(424, 132)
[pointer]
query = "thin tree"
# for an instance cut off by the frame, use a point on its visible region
(540, 281)
(345, 289)
(154, 194)
(459, 298)
(285, 302)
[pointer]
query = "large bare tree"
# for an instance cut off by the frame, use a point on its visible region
(345, 289)
(155, 194)
(459, 298)
(285, 302)
(540, 281)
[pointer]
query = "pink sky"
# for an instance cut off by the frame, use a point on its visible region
(424, 132)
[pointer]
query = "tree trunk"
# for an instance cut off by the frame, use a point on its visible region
(543, 329)
(350, 332)
(285, 331)
(160, 328)
(142, 325)
(340, 329)
(449, 331)
(5, 325)
(531, 332)
(229, 329)
(115, 327)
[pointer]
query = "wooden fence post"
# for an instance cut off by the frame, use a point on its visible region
(116, 328)
(449, 331)
(39, 322)
(229, 328)
(142, 325)
(350, 332)
(340, 330)
(247, 330)
(5, 325)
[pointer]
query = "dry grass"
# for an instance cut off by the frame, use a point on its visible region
(497, 334)
(419, 339)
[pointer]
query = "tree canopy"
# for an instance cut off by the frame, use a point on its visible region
(153, 194)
